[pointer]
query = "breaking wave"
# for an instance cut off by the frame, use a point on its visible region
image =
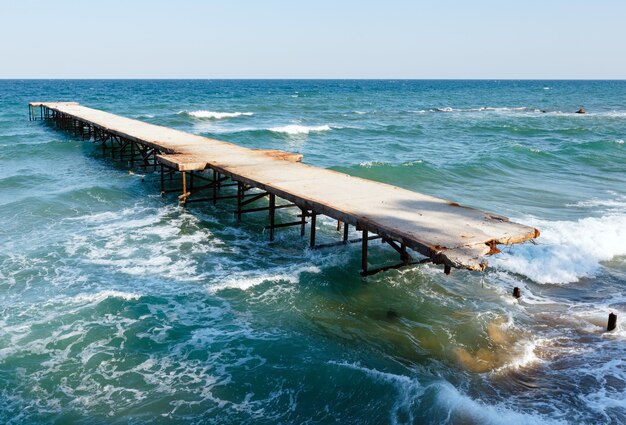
(568, 250)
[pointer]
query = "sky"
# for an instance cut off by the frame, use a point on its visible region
(548, 39)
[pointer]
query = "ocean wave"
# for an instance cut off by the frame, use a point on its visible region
(523, 110)
(247, 280)
(408, 390)
(450, 405)
(463, 409)
(373, 164)
(293, 129)
(215, 115)
(89, 298)
(613, 204)
(568, 250)
(481, 109)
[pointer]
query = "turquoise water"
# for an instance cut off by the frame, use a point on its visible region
(117, 306)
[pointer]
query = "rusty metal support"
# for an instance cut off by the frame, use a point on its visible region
(347, 242)
(272, 208)
(313, 224)
(216, 177)
(303, 223)
(182, 199)
(240, 193)
(364, 253)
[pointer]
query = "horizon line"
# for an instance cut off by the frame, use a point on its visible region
(296, 79)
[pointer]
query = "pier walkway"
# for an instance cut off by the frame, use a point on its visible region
(442, 231)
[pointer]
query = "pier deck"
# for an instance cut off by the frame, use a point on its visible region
(442, 231)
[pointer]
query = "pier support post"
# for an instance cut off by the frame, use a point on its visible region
(313, 224)
(303, 224)
(364, 253)
(162, 181)
(216, 177)
(239, 199)
(272, 215)
(612, 324)
(182, 199)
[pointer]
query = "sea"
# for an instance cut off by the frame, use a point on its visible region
(117, 306)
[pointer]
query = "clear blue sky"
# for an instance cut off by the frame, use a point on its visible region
(312, 39)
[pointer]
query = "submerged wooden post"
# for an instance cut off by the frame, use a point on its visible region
(612, 324)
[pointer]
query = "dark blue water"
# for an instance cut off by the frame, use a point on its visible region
(117, 306)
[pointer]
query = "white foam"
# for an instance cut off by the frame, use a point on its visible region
(617, 202)
(216, 115)
(294, 129)
(526, 356)
(567, 250)
(101, 296)
(370, 164)
(119, 236)
(457, 404)
(247, 280)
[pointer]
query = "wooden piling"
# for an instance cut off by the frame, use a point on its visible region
(612, 323)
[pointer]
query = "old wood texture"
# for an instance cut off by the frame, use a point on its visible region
(443, 231)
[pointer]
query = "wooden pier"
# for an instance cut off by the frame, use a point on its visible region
(441, 231)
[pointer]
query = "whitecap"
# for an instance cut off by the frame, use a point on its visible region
(215, 115)
(461, 405)
(294, 129)
(370, 164)
(616, 203)
(567, 250)
(87, 298)
(247, 280)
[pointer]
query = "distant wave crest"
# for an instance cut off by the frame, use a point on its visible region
(523, 110)
(215, 115)
(293, 129)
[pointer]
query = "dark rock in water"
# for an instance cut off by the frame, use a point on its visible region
(581, 111)
(392, 314)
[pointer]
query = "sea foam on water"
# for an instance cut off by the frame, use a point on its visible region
(567, 250)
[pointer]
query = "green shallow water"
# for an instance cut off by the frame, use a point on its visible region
(117, 306)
